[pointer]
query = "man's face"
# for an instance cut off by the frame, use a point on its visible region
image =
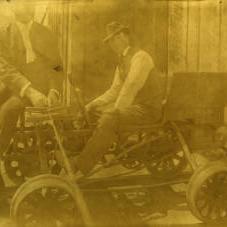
(24, 10)
(116, 43)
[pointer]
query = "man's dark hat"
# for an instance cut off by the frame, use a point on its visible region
(113, 29)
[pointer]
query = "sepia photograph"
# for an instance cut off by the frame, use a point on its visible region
(113, 113)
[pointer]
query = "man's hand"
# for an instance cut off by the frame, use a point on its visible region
(90, 107)
(53, 98)
(94, 107)
(37, 98)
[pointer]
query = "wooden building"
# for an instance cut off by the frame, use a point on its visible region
(182, 36)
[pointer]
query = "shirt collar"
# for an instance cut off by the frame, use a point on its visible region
(126, 51)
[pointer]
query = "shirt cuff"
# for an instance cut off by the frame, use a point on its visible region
(23, 89)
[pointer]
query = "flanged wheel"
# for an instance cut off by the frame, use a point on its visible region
(21, 165)
(207, 192)
(46, 200)
(22, 160)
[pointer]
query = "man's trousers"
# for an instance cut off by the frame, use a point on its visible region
(10, 111)
(110, 125)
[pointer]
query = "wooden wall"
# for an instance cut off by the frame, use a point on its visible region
(93, 61)
(198, 36)
(181, 36)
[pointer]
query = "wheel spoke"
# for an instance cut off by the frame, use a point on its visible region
(66, 216)
(203, 192)
(205, 210)
(210, 181)
(222, 205)
(44, 192)
(55, 194)
(34, 198)
(222, 212)
(218, 179)
(27, 207)
(201, 203)
(208, 206)
(214, 211)
(30, 223)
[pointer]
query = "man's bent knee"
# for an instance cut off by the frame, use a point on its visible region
(13, 104)
(108, 120)
(11, 108)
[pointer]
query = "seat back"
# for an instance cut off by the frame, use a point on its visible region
(197, 96)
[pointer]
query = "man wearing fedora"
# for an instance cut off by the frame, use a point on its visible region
(32, 50)
(136, 96)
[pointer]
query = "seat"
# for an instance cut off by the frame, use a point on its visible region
(198, 96)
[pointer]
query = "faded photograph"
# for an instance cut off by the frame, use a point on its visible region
(113, 113)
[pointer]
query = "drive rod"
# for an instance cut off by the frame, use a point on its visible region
(79, 195)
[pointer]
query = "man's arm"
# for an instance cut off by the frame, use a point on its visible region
(11, 78)
(110, 95)
(141, 65)
(19, 85)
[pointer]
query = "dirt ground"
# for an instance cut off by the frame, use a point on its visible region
(160, 206)
(165, 206)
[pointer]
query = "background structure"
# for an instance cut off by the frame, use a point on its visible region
(181, 36)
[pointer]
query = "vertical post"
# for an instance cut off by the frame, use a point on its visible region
(88, 222)
(187, 35)
(220, 36)
(199, 41)
(42, 152)
(66, 47)
(169, 66)
(168, 36)
(191, 159)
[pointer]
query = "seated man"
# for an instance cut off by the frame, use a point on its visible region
(136, 95)
(12, 84)
(32, 50)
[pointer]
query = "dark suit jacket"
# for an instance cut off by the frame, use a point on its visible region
(45, 72)
(11, 80)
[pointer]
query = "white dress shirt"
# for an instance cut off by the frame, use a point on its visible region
(25, 30)
(30, 54)
(123, 93)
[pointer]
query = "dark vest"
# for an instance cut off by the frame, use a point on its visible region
(152, 93)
